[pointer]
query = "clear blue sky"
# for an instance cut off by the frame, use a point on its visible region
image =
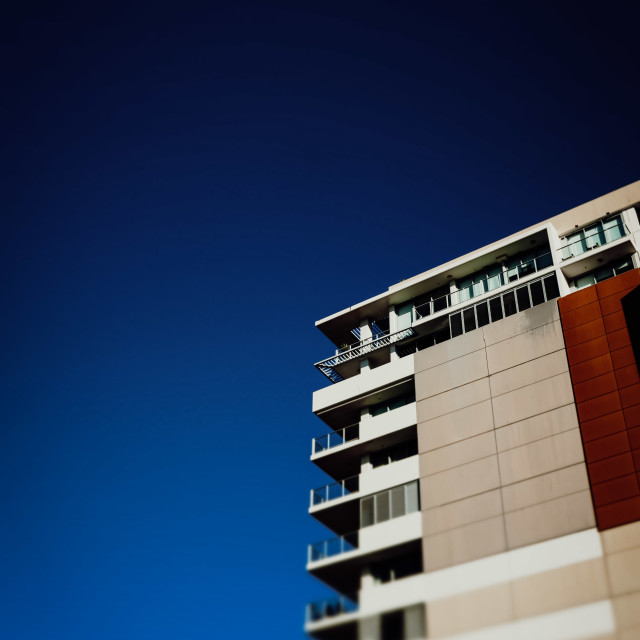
(186, 188)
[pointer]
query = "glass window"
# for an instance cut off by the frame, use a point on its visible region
(585, 281)
(613, 229)
(483, 314)
(544, 260)
(494, 279)
(397, 502)
(366, 511)
(551, 287)
(495, 306)
(412, 497)
(509, 301)
(382, 506)
(524, 302)
(537, 292)
(455, 321)
(469, 319)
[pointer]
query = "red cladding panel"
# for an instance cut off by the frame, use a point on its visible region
(606, 386)
(591, 368)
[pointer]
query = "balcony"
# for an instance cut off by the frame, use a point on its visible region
(331, 607)
(335, 490)
(594, 236)
(333, 367)
(595, 246)
(333, 618)
(338, 453)
(335, 438)
(483, 285)
(339, 561)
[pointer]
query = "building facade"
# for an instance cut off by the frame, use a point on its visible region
(483, 443)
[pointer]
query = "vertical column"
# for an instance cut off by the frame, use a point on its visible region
(365, 334)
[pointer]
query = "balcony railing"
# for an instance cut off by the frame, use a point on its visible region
(593, 238)
(331, 607)
(359, 349)
(511, 274)
(335, 490)
(335, 438)
(333, 547)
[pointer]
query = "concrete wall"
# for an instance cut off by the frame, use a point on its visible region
(501, 459)
(595, 597)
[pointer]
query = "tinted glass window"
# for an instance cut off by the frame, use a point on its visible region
(455, 321)
(483, 314)
(551, 287)
(469, 319)
(537, 293)
(509, 301)
(524, 301)
(495, 305)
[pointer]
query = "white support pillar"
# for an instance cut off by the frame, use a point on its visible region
(393, 327)
(365, 334)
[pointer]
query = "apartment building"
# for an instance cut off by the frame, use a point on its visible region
(482, 448)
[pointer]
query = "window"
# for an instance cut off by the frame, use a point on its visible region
(493, 276)
(392, 626)
(393, 454)
(390, 405)
(504, 305)
(397, 568)
(389, 504)
(604, 273)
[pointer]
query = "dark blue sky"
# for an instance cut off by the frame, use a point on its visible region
(186, 189)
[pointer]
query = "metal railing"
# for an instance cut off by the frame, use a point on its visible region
(592, 240)
(331, 607)
(335, 490)
(332, 547)
(511, 274)
(359, 349)
(335, 438)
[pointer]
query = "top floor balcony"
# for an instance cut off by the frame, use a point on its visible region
(593, 236)
(334, 368)
(594, 246)
(426, 314)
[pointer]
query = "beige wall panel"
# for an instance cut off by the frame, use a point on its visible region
(570, 586)
(463, 544)
(624, 571)
(621, 538)
(451, 374)
(454, 426)
(458, 453)
(627, 610)
(524, 347)
(629, 634)
(462, 512)
(449, 350)
(542, 456)
(453, 400)
(521, 323)
(546, 487)
(550, 519)
(482, 608)
(537, 427)
(532, 371)
(531, 400)
(463, 481)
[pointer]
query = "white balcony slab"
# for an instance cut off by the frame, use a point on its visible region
(363, 384)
